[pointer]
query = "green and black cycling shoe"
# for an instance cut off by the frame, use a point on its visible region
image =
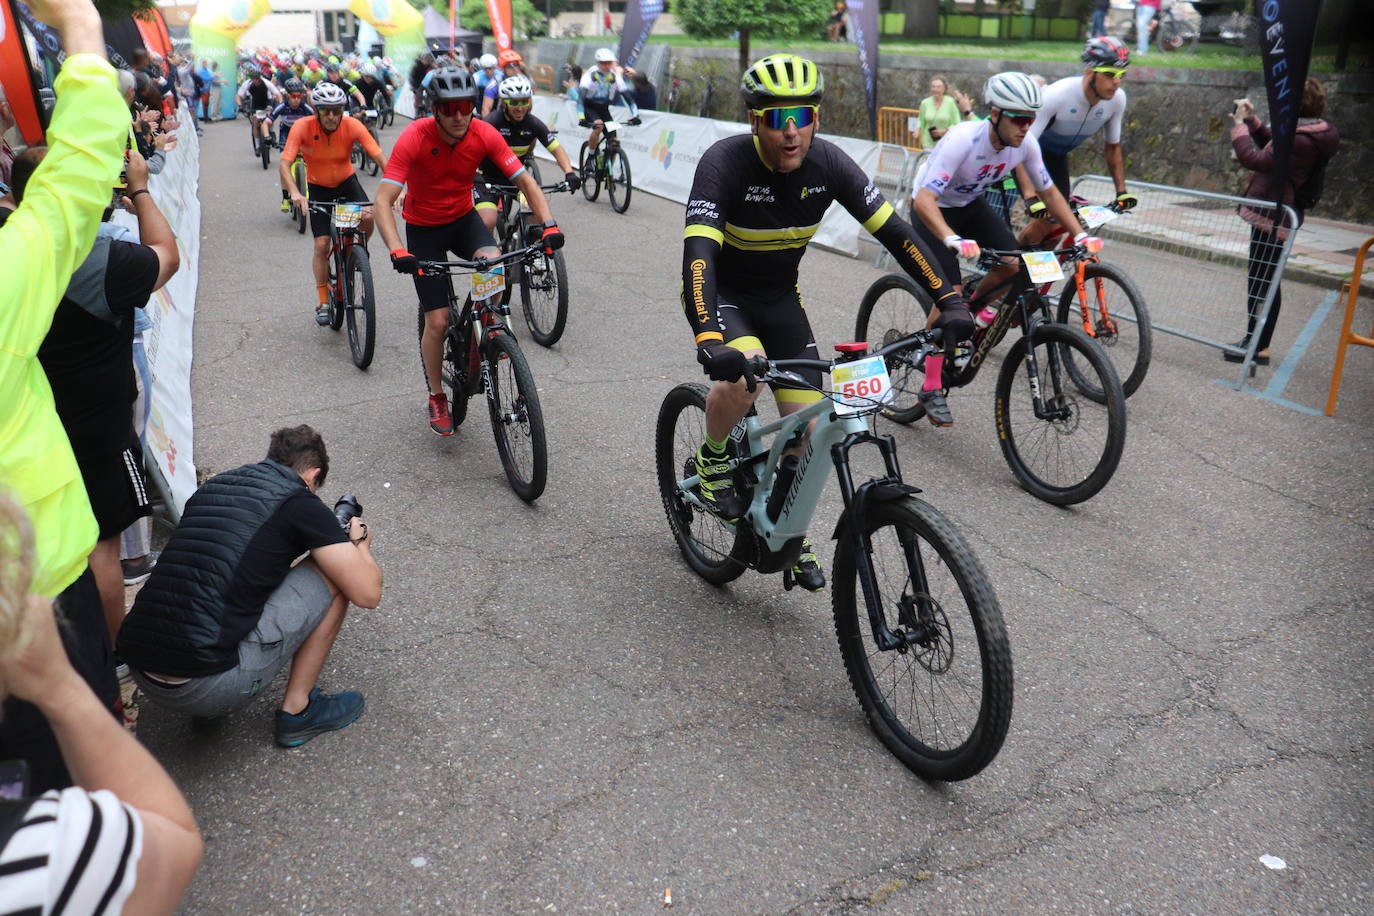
(717, 485)
(807, 571)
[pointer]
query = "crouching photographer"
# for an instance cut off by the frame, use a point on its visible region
(225, 608)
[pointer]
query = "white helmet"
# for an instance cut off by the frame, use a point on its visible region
(369, 70)
(605, 56)
(1012, 91)
(487, 61)
(298, 59)
(327, 95)
(516, 87)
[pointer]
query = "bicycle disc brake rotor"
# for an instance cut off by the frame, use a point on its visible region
(1065, 426)
(931, 639)
(1105, 332)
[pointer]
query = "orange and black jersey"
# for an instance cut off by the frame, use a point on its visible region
(520, 136)
(748, 226)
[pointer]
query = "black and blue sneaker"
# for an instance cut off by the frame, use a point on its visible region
(326, 712)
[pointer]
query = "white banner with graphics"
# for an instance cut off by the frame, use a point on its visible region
(172, 310)
(665, 149)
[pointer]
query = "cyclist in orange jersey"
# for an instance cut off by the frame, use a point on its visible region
(326, 141)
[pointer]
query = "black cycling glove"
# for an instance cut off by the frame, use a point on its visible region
(574, 181)
(722, 363)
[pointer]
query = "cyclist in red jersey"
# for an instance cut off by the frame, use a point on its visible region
(438, 158)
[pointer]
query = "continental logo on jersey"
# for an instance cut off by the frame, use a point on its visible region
(758, 193)
(662, 151)
(698, 269)
(923, 265)
(807, 192)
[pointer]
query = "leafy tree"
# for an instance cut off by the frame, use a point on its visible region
(770, 18)
(529, 19)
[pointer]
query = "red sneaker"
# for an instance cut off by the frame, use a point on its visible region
(440, 420)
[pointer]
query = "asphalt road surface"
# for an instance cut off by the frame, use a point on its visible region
(561, 717)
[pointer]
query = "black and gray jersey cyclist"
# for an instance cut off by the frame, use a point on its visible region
(756, 201)
(517, 125)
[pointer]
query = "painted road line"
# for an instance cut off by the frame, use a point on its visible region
(1295, 353)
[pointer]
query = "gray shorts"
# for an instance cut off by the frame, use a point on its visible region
(291, 614)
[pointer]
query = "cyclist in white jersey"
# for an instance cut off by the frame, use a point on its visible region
(950, 214)
(1076, 108)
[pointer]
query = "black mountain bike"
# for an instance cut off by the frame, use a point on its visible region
(607, 164)
(480, 353)
(543, 281)
(1063, 434)
(351, 299)
(919, 627)
(359, 157)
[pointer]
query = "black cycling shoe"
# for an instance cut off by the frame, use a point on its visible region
(717, 485)
(807, 571)
(937, 408)
(322, 314)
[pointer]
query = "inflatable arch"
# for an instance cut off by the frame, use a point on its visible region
(218, 25)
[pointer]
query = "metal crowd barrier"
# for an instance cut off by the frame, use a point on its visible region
(895, 127)
(901, 185)
(1199, 264)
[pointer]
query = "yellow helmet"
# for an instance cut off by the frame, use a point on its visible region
(782, 78)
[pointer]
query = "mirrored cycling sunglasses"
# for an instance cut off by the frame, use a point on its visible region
(777, 118)
(1019, 118)
(519, 103)
(1114, 72)
(455, 107)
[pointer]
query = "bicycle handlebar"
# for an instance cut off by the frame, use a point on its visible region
(481, 265)
(331, 204)
(761, 368)
(511, 190)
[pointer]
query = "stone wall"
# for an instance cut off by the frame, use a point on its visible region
(1177, 122)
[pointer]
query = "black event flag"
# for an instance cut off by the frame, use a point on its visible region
(639, 22)
(1286, 30)
(863, 24)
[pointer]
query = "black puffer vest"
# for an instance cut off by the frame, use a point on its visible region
(179, 624)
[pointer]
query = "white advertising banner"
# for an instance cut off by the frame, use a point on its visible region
(665, 149)
(172, 310)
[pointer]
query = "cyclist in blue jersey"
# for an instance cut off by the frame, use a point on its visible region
(283, 116)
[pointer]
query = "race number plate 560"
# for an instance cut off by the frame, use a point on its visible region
(861, 383)
(488, 284)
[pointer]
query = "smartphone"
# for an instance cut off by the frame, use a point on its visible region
(14, 779)
(1234, 107)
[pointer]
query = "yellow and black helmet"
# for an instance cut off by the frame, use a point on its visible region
(780, 78)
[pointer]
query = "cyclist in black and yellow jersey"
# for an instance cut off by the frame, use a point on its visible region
(756, 201)
(521, 130)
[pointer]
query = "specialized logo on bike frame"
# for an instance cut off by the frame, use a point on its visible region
(796, 481)
(662, 151)
(759, 193)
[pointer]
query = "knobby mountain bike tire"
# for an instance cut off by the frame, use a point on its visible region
(337, 297)
(591, 175)
(1128, 341)
(516, 418)
(372, 167)
(361, 308)
(265, 151)
(1069, 459)
(618, 181)
(544, 297)
(942, 705)
(712, 548)
(894, 307)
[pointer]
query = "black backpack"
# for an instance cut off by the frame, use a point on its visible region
(1306, 196)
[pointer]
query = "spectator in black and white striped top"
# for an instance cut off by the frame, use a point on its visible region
(123, 837)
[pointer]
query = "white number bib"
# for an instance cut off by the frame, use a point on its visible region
(858, 385)
(488, 284)
(1043, 266)
(1092, 217)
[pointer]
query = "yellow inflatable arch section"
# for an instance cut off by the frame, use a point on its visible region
(219, 24)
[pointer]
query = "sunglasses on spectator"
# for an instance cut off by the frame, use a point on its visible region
(1019, 118)
(1114, 72)
(777, 118)
(519, 103)
(455, 107)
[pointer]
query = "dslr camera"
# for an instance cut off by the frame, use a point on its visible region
(347, 509)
